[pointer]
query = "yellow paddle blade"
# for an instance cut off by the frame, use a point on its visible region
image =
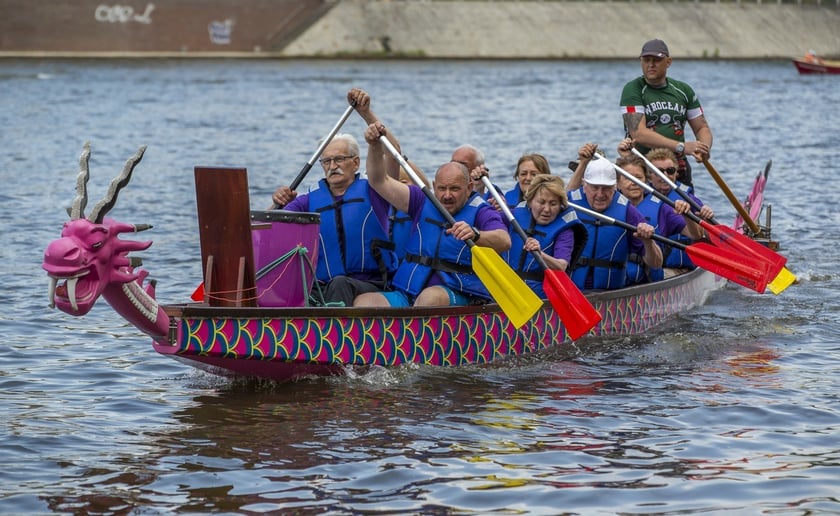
(514, 296)
(783, 280)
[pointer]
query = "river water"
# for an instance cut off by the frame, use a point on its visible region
(730, 408)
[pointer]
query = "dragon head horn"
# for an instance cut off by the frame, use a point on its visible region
(118, 183)
(77, 211)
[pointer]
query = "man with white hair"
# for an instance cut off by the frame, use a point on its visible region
(603, 262)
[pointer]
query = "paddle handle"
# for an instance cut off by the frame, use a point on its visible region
(622, 224)
(515, 223)
(419, 182)
(732, 199)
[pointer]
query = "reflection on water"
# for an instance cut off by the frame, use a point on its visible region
(730, 407)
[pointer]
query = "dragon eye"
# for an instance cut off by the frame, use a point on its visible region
(97, 245)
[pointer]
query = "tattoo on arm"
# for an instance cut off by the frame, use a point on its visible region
(631, 122)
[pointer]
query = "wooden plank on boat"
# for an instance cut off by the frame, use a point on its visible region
(224, 224)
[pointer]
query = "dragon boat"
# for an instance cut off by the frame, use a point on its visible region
(254, 317)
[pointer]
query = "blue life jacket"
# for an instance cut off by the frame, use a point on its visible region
(637, 271)
(352, 240)
(524, 262)
(401, 225)
(431, 250)
(607, 247)
(677, 258)
(514, 197)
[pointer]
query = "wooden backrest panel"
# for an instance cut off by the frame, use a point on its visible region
(224, 224)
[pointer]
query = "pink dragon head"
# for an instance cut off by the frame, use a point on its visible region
(89, 260)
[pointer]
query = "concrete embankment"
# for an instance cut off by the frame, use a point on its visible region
(555, 30)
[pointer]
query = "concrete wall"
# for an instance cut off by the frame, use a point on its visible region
(527, 29)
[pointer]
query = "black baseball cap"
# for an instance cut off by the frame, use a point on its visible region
(655, 47)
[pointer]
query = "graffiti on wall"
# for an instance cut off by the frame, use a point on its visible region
(122, 14)
(220, 32)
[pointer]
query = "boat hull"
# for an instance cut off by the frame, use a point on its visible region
(287, 343)
(815, 67)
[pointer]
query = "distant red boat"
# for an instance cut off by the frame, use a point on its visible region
(812, 63)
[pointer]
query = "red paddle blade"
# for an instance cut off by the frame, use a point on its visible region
(726, 236)
(576, 312)
(734, 266)
(198, 294)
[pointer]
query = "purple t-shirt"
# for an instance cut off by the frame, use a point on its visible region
(670, 222)
(563, 245)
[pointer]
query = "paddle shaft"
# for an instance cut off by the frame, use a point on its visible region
(419, 182)
(653, 191)
(742, 242)
(320, 149)
(326, 141)
(631, 227)
(732, 199)
(682, 193)
(515, 223)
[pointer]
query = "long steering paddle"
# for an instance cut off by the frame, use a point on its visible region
(514, 296)
(742, 212)
(723, 262)
(573, 308)
(722, 235)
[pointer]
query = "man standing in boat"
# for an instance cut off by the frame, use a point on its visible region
(437, 269)
(354, 253)
(656, 110)
(603, 262)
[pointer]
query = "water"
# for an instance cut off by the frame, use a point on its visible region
(731, 408)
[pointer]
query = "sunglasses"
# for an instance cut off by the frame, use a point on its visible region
(670, 170)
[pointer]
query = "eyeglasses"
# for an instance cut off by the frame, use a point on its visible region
(338, 160)
(670, 170)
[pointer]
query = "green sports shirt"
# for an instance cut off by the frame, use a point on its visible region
(667, 110)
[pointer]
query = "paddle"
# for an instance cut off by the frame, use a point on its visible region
(723, 235)
(326, 141)
(760, 263)
(573, 308)
(723, 262)
(515, 298)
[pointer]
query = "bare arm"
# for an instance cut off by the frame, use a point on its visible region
(585, 154)
(636, 124)
(392, 190)
(532, 244)
(361, 100)
(497, 239)
(703, 134)
(282, 196)
(653, 254)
